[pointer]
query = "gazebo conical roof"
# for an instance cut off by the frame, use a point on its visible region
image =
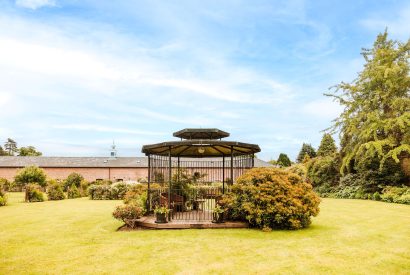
(199, 142)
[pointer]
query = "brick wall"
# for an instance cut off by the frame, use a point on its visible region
(90, 174)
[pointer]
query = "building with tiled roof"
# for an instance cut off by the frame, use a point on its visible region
(92, 168)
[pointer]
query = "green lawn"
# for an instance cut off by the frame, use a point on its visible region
(79, 236)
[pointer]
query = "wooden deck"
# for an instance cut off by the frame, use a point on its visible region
(149, 222)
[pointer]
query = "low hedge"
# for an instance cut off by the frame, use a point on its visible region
(99, 192)
(396, 194)
(391, 194)
(115, 191)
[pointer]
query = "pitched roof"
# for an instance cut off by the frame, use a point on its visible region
(91, 162)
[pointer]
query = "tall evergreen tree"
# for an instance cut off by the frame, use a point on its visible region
(306, 149)
(10, 146)
(327, 146)
(283, 160)
(376, 116)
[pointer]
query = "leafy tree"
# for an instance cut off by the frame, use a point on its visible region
(10, 146)
(306, 149)
(283, 160)
(29, 151)
(324, 171)
(31, 174)
(327, 146)
(376, 116)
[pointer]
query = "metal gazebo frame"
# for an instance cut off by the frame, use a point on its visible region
(198, 150)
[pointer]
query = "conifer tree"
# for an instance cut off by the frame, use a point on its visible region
(327, 146)
(376, 117)
(283, 160)
(306, 149)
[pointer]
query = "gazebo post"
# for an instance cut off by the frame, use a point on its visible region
(178, 172)
(231, 164)
(169, 177)
(253, 160)
(149, 185)
(223, 174)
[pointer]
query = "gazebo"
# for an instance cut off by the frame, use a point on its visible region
(189, 175)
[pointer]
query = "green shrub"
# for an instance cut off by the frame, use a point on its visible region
(29, 175)
(324, 170)
(73, 179)
(118, 190)
(33, 193)
(271, 198)
(108, 192)
(99, 192)
(55, 191)
(135, 194)
(73, 192)
(128, 213)
(360, 194)
(396, 194)
(299, 169)
(6, 185)
(3, 197)
(84, 188)
(376, 196)
(346, 192)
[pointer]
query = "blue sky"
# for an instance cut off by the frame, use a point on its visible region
(74, 75)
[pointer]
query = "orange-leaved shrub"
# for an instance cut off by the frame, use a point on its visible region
(271, 198)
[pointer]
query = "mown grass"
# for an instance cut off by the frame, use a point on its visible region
(79, 236)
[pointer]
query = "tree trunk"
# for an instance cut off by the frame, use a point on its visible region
(405, 166)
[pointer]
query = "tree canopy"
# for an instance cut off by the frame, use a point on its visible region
(31, 174)
(29, 151)
(10, 146)
(283, 160)
(327, 146)
(306, 149)
(376, 116)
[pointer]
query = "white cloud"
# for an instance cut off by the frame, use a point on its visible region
(104, 71)
(35, 4)
(99, 128)
(398, 25)
(5, 99)
(324, 108)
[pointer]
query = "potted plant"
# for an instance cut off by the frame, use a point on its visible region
(161, 214)
(218, 214)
